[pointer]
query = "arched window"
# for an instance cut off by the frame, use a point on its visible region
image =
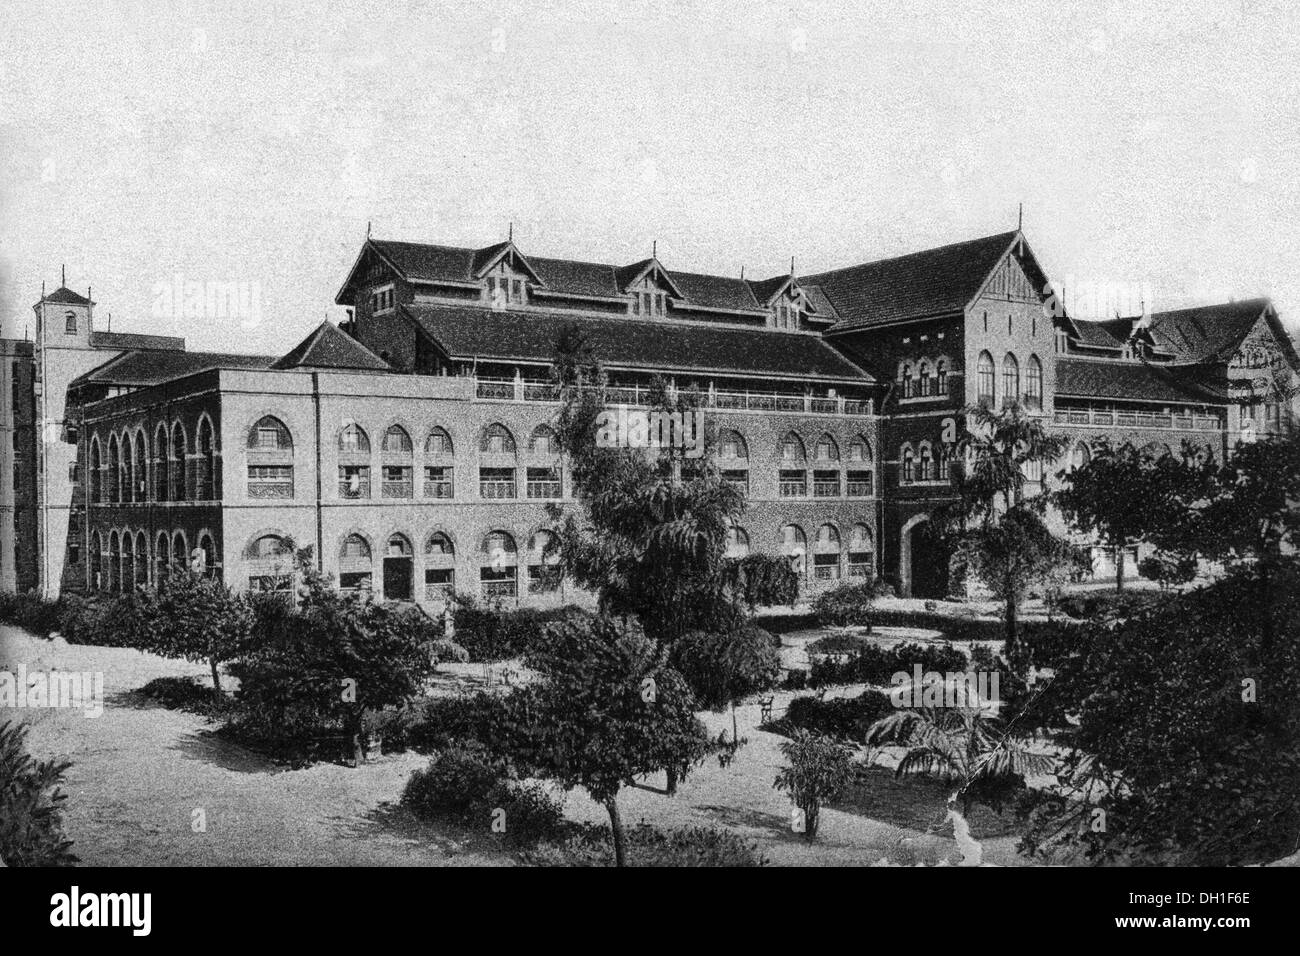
(206, 465)
(70, 322)
(176, 465)
(826, 554)
(909, 465)
(141, 561)
(353, 439)
(128, 471)
(732, 446)
(794, 545)
(439, 567)
(543, 563)
(126, 575)
(498, 566)
(985, 379)
(926, 458)
(161, 473)
(497, 440)
(941, 377)
(859, 449)
(354, 465)
(269, 561)
(1034, 383)
(438, 444)
(399, 481)
(1081, 455)
(180, 550)
(737, 542)
(543, 441)
(161, 557)
(1010, 379)
(114, 562)
(923, 376)
(97, 562)
(909, 386)
(356, 570)
(210, 569)
(945, 463)
(141, 469)
(96, 475)
(792, 449)
(861, 552)
(827, 450)
(270, 459)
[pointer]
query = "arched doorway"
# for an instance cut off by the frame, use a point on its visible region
(399, 569)
(923, 560)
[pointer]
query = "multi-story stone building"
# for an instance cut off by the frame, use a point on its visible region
(412, 448)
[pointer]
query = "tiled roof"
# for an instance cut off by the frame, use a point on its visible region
(468, 333)
(1140, 381)
(134, 340)
(930, 282)
(141, 368)
(1206, 333)
(64, 295)
(328, 347)
(431, 263)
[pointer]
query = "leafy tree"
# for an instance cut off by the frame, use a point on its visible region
(995, 526)
(820, 770)
(606, 709)
(198, 619)
(723, 669)
(1187, 749)
(1123, 495)
(31, 804)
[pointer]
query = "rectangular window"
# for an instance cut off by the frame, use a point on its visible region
(826, 484)
(738, 477)
(268, 438)
(496, 483)
(397, 482)
(859, 484)
(270, 481)
(826, 567)
(543, 483)
(793, 483)
(354, 580)
(438, 481)
(354, 481)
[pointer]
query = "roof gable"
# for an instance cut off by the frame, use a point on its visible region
(329, 347)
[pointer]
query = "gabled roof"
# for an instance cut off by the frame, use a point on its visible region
(1140, 381)
(467, 333)
(64, 295)
(329, 347)
(134, 340)
(141, 368)
(626, 275)
(926, 283)
(1214, 332)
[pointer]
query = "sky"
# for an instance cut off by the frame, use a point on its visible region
(1155, 147)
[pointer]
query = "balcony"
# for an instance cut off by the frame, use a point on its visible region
(404, 488)
(500, 589)
(860, 488)
(1109, 418)
(354, 489)
(496, 489)
(826, 489)
(497, 388)
(437, 489)
(549, 489)
(540, 392)
(793, 489)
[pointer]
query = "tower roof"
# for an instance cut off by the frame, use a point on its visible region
(65, 296)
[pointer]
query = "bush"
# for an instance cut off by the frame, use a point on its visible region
(31, 805)
(107, 621)
(1109, 605)
(820, 769)
(490, 633)
(432, 724)
(877, 665)
(725, 668)
(650, 847)
(30, 612)
(848, 605)
(1168, 571)
(180, 693)
(844, 718)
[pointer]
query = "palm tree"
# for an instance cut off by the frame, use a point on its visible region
(961, 744)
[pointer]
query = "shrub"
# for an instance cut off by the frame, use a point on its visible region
(107, 621)
(589, 845)
(432, 724)
(491, 633)
(31, 805)
(876, 665)
(179, 693)
(820, 770)
(1167, 570)
(848, 605)
(844, 718)
(455, 785)
(1109, 605)
(30, 612)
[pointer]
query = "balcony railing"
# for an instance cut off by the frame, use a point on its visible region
(1133, 419)
(794, 489)
(357, 489)
(270, 489)
(437, 489)
(826, 572)
(543, 489)
(496, 489)
(398, 489)
(826, 489)
(500, 589)
(533, 390)
(860, 489)
(439, 592)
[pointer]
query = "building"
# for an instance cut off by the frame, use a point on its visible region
(411, 448)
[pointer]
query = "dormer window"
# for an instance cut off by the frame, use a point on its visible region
(651, 303)
(381, 300)
(787, 315)
(505, 290)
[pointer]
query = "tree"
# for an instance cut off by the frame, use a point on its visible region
(606, 709)
(1123, 495)
(997, 530)
(31, 804)
(198, 619)
(820, 770)
(723, 669)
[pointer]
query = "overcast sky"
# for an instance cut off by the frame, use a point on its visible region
(1153, 145)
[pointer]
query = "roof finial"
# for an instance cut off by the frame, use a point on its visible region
(1020, 219)
(654, 249)
(367, 228)
(63, 281)
(742, 272)
(792, 265)
(510, 231)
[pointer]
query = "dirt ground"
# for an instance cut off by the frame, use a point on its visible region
(142, 777)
